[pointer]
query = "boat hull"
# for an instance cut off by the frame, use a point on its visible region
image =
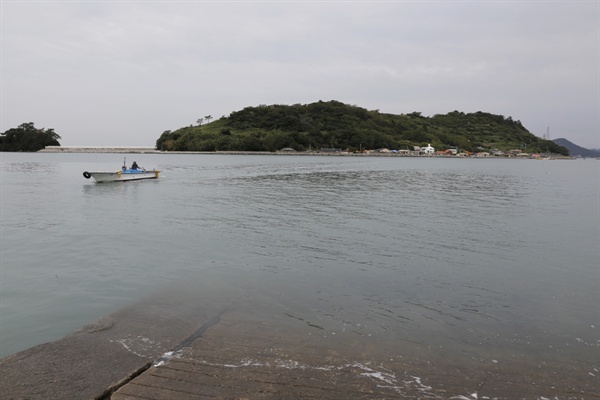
(121, 176)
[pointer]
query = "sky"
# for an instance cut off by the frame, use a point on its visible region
(120, 73)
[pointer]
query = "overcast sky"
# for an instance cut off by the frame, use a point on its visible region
(108, 73)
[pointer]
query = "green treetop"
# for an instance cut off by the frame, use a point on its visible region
(26, 137)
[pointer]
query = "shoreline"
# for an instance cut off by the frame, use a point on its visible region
(151, 150)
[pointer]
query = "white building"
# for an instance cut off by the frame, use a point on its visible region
(428, 149)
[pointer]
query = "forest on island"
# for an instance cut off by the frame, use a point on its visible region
(333, 124)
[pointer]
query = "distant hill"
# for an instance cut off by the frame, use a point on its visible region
(333, 124)
(575, 150)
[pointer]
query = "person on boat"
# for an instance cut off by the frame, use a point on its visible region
(134, 166)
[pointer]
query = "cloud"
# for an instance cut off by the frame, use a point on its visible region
(120, 73)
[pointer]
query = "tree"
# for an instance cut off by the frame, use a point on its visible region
(200, 121)
(27, 138)
(165, 141)
(208, 118)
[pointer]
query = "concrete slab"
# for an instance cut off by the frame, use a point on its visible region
(243, 357)
(230, 362)
(98, 358)
(226, 344)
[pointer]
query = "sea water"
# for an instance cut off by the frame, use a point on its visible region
(461, 263)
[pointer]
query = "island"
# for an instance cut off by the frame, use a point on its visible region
(333, 126)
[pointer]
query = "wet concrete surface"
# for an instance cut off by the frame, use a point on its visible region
(91, 362)
(227, 347)
(241, 358)
(229, 363)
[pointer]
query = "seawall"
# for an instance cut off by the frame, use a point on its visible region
(97, 149)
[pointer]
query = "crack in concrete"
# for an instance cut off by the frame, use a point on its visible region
(107, 394)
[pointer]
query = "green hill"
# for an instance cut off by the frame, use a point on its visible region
(334, 124)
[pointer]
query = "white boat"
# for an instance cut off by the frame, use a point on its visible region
(124, 174)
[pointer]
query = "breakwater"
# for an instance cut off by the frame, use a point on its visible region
(97, 149)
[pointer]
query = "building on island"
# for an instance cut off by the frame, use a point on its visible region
(428, 149)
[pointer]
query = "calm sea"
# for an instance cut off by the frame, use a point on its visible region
(470, 264)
